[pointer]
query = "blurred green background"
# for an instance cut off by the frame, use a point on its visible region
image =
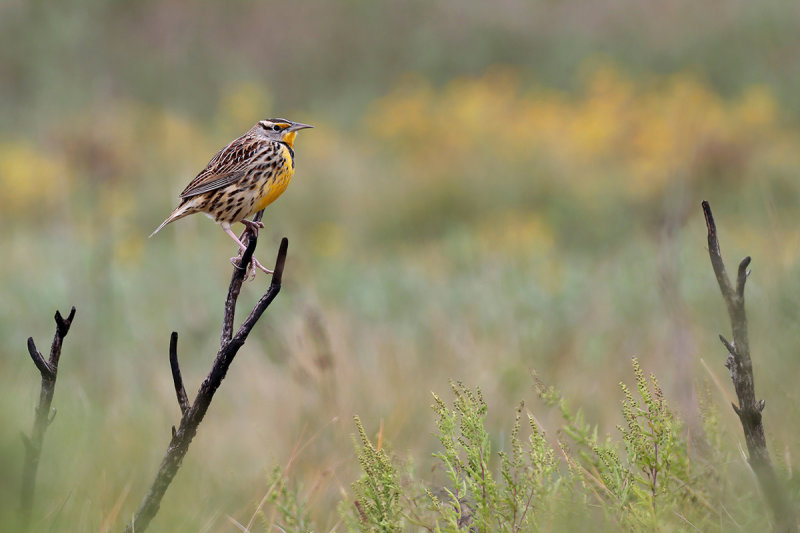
(490, 188)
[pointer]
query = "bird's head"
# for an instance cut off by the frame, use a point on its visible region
(278, 129)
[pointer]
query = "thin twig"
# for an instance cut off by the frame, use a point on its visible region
(229, 346)
(44, 368)
(728, 346)
(741, 369)
(180, 392)
(43, 417)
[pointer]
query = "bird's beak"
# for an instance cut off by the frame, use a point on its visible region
(298, 126)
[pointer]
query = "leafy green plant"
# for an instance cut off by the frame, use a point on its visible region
(472, 496)
(530, 472)
(376, 503)
(648, 482)
(643, 481)
(289, 513)
(656, 451)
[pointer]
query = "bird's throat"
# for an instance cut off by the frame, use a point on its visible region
(289, 138)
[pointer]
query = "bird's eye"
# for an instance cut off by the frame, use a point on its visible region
(276, 127)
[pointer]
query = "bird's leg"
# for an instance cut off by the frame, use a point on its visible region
(253, 261)
(227, 229)
(236, 261)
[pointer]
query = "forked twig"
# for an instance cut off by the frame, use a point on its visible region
(741, 369)
(193, 414)
(33, 444)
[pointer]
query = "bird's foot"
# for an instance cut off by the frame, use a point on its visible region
(251, 267)
(261, 267)
(253, 226)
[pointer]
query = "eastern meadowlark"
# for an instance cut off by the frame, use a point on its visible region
(243, 178)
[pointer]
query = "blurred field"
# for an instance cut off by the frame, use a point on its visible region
(489, 189)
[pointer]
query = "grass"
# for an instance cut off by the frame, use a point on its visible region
(465, 217)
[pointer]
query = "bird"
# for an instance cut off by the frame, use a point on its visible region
(243, 178)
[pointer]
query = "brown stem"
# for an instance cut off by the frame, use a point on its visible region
(229, 346)
(741, 370)
(43, 417)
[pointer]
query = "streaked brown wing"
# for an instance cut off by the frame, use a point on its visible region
(227, 166)
(210, 183)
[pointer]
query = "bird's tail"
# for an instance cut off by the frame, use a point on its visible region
(180, 212)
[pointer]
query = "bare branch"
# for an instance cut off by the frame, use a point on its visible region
(63, 325)
(38, 360)
(741, 369)
(235, 287)
(44, 415)
(193, 415)
(716, 255)
(742, 277)
(180, 392)
(62, 328)
(272, 292)
(728, 345)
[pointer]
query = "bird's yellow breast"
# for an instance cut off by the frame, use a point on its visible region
(277, 183)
